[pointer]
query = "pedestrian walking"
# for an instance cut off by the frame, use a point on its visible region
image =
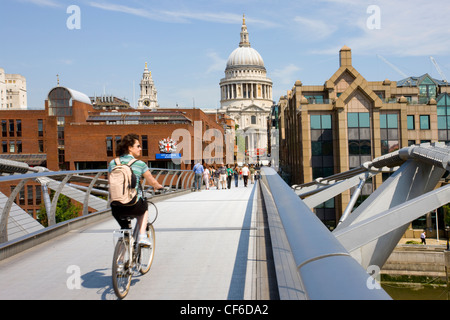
(223, 175)
(198, 171)
(423, 237)
(229, 176)
(236, 175)
(252, 174)
(206, 176)
(245, 174)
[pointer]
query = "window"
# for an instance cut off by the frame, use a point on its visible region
(109, 146)
(30, 195)
(411, 124)
(60, 102)
(359, 138)
(11, 128)
(19, 128)
(40, 128)
(322, 161)
(19, 146)
(38, 195)
(424, 122)
(427, 90)
(144, 146)
(389, 133)
(443, 116)
(253, 119)
(4, 128)
(41, 145)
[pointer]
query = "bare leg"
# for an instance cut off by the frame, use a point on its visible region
(142, 222)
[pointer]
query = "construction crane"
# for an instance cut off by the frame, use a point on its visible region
(439, 69)
(392, 66)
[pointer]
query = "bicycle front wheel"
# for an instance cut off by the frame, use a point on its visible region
(147, 253)
(121, 268)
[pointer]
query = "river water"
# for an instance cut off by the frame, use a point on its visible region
(416, 292)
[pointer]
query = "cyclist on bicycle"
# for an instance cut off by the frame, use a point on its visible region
(129, 148)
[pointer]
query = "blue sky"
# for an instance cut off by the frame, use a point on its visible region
(187, 43)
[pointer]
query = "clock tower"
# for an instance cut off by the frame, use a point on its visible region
(148, 98)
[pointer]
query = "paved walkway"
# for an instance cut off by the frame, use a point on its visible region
(204, 248)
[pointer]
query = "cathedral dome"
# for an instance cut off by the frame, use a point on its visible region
(245, 56)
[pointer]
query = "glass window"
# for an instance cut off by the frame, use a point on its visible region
(40, 128)
(326, 121)
(392, 121)
(60, 102)
(19, 127)
(364, 120)
(316, 122)
(316, 147)
(383, 121)
(4, 128)
(109, 146)
(411, 125)
(442, 122)
(424, 122)
(352, 120)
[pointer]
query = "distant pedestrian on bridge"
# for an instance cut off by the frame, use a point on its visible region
(245, 174)
(198, 170)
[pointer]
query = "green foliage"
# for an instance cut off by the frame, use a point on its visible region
(65, 210)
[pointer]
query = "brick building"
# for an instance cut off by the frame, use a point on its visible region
(69, 134)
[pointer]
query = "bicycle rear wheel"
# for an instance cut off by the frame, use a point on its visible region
(121, 271)
(147, 253)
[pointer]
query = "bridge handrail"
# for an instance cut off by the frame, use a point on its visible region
(185, 176)
(310, 262)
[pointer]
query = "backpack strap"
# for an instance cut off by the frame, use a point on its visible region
(117, 161)
(130, 163)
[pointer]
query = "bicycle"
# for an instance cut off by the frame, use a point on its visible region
(130, 258)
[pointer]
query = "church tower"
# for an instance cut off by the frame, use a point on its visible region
(148, 98)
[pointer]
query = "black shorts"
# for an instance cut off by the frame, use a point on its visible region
(121, 213)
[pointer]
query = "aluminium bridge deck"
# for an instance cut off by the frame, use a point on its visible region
(204, 250)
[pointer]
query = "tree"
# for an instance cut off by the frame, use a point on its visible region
(65, 210)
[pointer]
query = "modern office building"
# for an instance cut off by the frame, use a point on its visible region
(339, 125)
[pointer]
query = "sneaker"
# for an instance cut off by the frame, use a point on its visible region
(143, 240)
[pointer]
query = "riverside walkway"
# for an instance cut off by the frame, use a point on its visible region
(204, 250)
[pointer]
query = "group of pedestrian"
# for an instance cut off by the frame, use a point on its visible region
(220, 176)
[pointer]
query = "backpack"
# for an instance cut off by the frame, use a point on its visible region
(122, 184)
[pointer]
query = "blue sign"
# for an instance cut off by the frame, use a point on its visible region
(165, 156)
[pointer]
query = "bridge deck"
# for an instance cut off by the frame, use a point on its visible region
(204, 250)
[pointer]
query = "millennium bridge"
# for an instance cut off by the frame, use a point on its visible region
(261, 242)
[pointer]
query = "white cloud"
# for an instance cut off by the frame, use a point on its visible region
(286, 75)
(412, 28)
(315, 29)
(44, 3)
(178, 16)
(218, 63)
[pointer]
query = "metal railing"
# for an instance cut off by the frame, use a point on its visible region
(82, 184)
(310, 262)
